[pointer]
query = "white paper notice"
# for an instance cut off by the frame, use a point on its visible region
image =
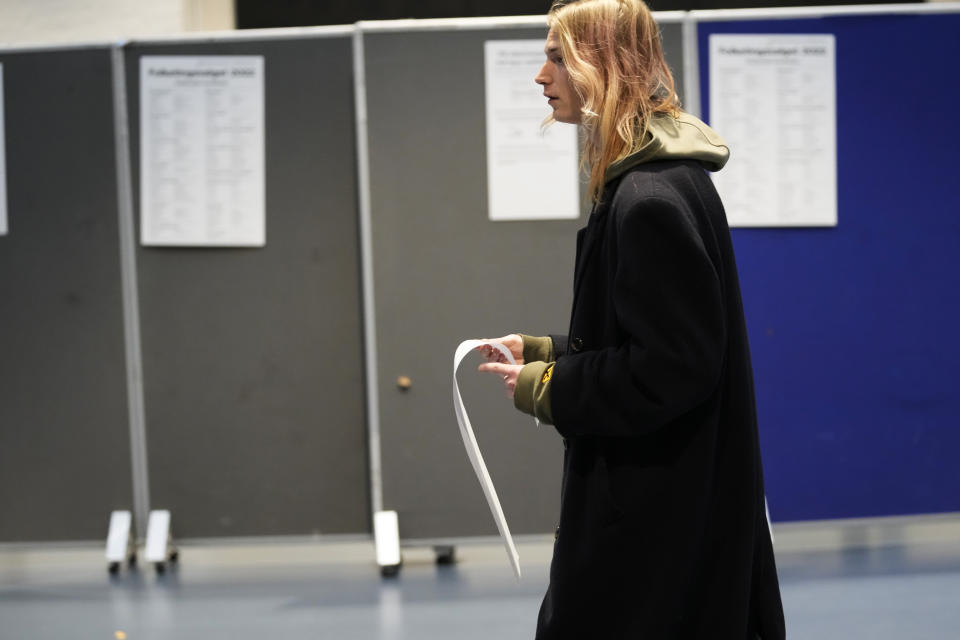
(3, 164)
(532, 174)
(773, 98)
(473, 449)
(202, 151)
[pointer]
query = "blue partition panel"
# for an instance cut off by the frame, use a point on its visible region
(854, 329)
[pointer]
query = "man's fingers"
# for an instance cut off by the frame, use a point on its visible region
(491, 354)
(492, 367)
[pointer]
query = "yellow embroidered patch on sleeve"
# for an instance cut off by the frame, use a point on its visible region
(546, 376)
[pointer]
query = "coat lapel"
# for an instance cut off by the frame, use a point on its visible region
(588, 240)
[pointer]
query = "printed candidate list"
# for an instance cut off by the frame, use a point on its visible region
(773, 99)
(202, 151)
(532, 174)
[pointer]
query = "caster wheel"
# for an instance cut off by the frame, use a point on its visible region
(114, 568)
(446, 555)
(161, 567)
(174, 556)
(132, 561)
(390, 570)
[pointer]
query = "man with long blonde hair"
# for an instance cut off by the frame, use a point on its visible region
(662, 531)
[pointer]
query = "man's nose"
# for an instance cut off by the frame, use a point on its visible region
(542, 77)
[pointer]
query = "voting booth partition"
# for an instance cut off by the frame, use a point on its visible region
(222, 384)
(853, 327)
(252, 356)
(443, 272)
(64, 437)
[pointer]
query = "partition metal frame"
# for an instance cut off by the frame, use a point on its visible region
(131, 302)
(792, 13)
(366, 274)
(285, 33)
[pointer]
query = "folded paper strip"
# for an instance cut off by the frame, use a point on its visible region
(473, 450)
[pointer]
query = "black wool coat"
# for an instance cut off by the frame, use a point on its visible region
(663, 532)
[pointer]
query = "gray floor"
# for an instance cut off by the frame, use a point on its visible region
(335, 591)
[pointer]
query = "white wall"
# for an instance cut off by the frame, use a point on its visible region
(50, 21)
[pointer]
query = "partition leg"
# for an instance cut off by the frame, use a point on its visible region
(160, 548)
(446, 554)
(386, 534)
(121, 546)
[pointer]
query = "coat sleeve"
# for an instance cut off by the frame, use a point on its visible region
(547, 348)
(668, 302)
(559, 345)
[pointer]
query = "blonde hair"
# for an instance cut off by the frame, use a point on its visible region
(611, 49)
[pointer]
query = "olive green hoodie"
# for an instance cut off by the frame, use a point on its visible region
(669, 137)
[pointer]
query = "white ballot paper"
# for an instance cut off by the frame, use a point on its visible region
(473, 450)
(773, 99)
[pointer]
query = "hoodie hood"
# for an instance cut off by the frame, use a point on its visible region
(679, 137)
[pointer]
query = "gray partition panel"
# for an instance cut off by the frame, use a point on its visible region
(64, 435)
(443, 273)
(253, 376)
(671, 36)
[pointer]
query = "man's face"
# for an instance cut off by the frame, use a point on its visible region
(557, 87)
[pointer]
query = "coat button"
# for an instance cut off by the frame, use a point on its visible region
(576, 345)
(556, 534)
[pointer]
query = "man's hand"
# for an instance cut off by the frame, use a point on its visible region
(513, 342)
(508, 372)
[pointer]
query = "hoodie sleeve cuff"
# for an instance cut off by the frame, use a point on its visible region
(532, 393)
(535, 349)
